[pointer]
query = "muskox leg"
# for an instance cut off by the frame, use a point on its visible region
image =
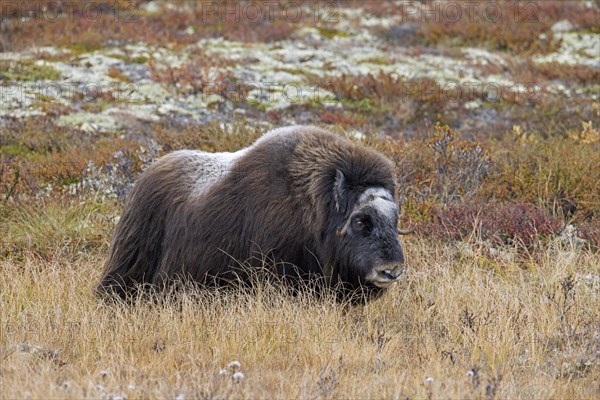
(136, 249)
(133, 259)
(134, 253)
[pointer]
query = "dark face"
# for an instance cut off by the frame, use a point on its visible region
(368, 245)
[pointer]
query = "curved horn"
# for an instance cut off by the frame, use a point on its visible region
(406, 231)
(342, 232)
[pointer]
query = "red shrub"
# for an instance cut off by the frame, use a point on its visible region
(590, 231)
(518, 223)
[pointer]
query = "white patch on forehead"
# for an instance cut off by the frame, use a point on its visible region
(384, 206)
(373, 193)
(379, 198)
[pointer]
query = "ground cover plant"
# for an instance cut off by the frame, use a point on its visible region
(492, 121)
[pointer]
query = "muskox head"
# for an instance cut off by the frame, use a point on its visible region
(366, 248)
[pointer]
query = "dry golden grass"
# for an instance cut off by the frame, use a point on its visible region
(461, 325)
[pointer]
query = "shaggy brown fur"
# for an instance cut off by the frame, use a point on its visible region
(286, 196)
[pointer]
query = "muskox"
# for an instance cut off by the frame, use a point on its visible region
(311, 202)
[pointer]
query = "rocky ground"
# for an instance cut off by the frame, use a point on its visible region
(306, 75)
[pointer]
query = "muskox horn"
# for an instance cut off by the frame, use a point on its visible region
(406, 231)
(342, 232)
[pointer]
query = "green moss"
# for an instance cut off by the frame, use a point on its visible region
(14, 150)
(331, 33)
(315, 102)
(592, 89)
(137, 60)
(42, 98)
(258, 105)
(84, 47)
(292, 71)
(68, 181)
(365, 106)
(130, 60)
(118, 75)
(587, 30)
(378, 60)
(97, 106)
(27, 70)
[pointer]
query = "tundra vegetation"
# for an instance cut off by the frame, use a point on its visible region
(501, 183)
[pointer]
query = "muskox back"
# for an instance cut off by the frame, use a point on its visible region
(208, 217)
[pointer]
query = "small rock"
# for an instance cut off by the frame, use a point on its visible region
(356, 134)
(151, 7)
(405, 34)
(562, 26)
(471, 105)
(569, 236)
(214, 98)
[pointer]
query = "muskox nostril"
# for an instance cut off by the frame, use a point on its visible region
(388, 274)
(391, 274)
(384, 277)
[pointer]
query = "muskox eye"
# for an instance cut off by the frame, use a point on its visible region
(358, 224)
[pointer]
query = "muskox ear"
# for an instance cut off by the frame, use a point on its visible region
(339, 192)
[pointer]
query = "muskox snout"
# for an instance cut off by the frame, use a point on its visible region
(385, 275)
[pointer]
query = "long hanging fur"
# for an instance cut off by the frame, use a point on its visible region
(197, 216)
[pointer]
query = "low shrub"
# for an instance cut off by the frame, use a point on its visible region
(500, 224)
